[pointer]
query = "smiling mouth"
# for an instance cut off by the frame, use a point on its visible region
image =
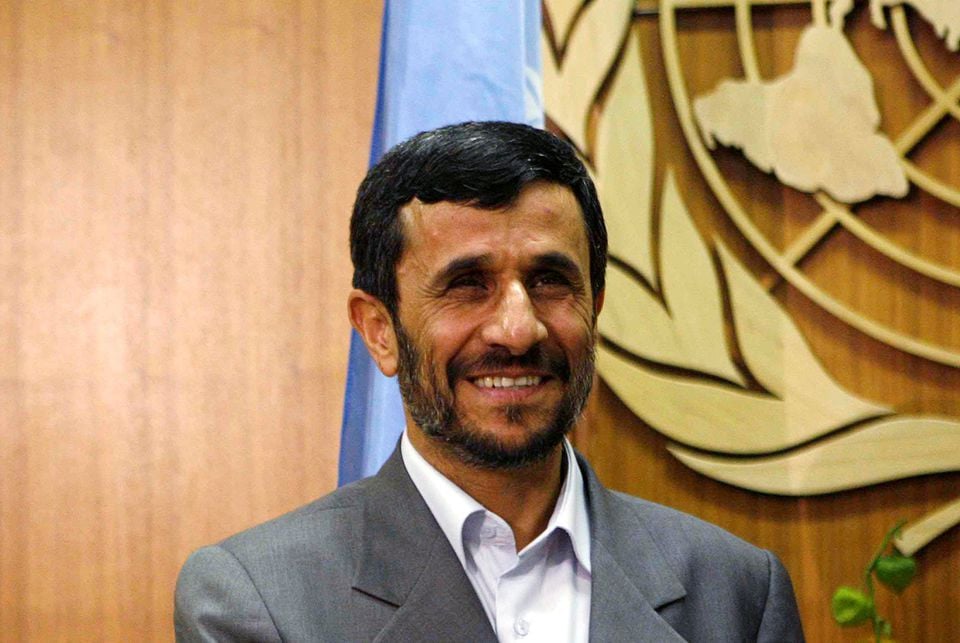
(523, 381)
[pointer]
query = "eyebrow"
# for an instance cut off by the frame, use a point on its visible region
(560, 262)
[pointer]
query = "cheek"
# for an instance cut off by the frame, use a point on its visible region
(576, 341)
(451, 332)
(445, 342)
(571, 324)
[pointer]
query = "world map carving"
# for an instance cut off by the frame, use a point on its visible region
(816, 127)
(944, 15)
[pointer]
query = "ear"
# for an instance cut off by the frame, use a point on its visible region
(598, 302)
(369, 316)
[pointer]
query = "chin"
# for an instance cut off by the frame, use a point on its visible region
(506, 444)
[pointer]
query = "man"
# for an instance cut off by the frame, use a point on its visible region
(479, 253)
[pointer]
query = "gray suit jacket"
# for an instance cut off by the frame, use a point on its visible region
(369, 563)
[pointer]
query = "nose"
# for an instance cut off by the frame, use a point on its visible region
(515, 324)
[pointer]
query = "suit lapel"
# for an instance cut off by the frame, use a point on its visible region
(630, 577)
(406, 561)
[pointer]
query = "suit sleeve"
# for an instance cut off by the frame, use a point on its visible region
(216, 600)
(780, 622)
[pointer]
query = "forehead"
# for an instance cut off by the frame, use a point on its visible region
(545, 217)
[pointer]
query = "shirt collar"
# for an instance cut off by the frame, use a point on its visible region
(452, 506)
(570, 514)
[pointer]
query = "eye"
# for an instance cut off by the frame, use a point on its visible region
(550, 279)
(467, 282)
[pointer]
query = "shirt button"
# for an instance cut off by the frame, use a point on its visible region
(488, 531)
(521, 627)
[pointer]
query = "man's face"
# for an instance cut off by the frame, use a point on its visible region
(496, 324)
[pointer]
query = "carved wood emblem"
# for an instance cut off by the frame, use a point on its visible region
(694, 342)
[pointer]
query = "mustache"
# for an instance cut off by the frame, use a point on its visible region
(537, 358)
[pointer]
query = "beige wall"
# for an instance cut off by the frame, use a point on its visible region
(175, 185)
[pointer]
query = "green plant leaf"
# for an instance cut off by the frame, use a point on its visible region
(885, 628)
(896, 571)
(850, 606)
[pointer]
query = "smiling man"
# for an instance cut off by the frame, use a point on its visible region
(479, 253)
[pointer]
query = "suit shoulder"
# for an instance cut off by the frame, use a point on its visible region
(264, 579)
(327, 520)
(690, 541)
(216, 599)
(721, 574)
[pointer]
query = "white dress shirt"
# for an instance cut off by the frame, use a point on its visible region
(539, 594)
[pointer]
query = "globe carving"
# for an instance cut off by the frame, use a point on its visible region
(817, 128)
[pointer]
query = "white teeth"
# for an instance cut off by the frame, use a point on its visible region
(508, 382)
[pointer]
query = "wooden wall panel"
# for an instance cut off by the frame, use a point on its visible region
(175, 185)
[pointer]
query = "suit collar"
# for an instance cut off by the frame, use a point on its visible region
(425, 581)
(631, 578)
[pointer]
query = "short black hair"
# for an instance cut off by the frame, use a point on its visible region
(481, 164)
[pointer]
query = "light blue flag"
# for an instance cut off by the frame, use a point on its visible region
(441, 62)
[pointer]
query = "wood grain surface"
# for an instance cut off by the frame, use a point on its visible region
(175, 187)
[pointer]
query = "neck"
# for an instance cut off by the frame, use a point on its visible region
(524, 496)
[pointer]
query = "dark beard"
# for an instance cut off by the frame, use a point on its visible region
(432, 403)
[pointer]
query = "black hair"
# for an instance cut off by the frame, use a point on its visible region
(481, 164)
